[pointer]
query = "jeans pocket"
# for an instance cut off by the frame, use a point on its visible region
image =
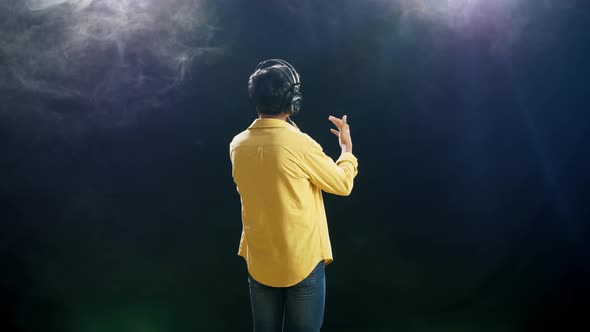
(315, 274)
(309, 281)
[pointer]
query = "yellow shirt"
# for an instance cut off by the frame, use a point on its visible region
(280, 173)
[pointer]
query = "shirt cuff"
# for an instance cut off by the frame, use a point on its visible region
(348, 156)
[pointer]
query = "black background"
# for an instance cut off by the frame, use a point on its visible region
(469, 213)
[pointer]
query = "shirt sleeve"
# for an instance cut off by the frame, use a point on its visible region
(332, 177)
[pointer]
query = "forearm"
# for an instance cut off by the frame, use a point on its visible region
(347, 163)
(346, 148)
(332, 177)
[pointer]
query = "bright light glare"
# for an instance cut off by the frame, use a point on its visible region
(455, 11)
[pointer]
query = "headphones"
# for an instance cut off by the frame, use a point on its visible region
(293, 96)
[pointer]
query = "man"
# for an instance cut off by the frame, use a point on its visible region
(280, 174)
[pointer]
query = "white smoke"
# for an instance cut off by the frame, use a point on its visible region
(102, 51)
(44, 4)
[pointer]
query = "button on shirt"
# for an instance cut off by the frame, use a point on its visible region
(280, 174)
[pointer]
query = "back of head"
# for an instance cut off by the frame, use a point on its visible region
(274, 87)
(267, 88)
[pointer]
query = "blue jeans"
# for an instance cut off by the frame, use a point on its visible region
(299, 308)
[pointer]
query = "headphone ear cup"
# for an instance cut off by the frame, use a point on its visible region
(295, 100)
(296, 104)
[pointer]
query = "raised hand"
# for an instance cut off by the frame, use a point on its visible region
(343, 132)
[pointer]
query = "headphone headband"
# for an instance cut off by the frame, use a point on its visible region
(272, 62)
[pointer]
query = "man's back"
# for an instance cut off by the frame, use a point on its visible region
(280, 174)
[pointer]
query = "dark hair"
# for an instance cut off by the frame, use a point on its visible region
(267, 88)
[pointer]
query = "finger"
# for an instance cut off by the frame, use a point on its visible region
(344, 120)
(335, 132)
(335, 121)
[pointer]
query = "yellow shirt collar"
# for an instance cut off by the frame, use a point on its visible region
(268, 123)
